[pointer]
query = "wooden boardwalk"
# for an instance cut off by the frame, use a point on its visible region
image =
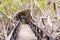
(25, 33)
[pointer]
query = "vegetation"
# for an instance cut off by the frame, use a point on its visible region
(49, 10)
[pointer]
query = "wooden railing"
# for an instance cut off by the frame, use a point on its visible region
(40, 33)
(14, 32)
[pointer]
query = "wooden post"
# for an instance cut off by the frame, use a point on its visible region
(48, 38)
(41, 34)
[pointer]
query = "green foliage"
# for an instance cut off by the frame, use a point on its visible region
(3, 15)
(7, 1)
(42, 7)
(14, 7)
(41, 2)
(11, 7)
(1, 7)
(23, 0)
(52, 9)
(58, 0)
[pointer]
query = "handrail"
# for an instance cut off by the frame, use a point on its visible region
(11, 33)
(41, 29)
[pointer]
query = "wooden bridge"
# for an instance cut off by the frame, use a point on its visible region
(29, 31)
